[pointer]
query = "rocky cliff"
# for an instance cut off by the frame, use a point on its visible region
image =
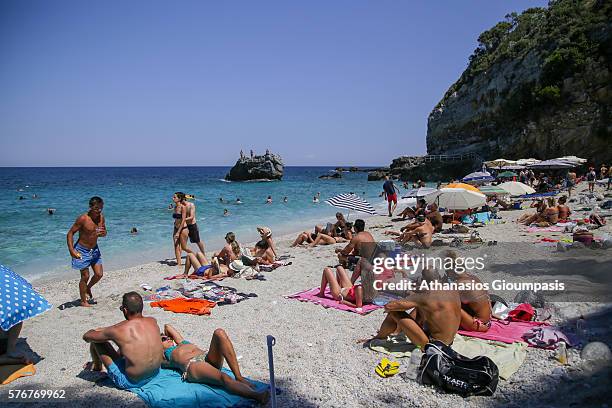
(538, 85)
(266, 167)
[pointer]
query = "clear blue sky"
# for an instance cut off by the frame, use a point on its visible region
(192, 82)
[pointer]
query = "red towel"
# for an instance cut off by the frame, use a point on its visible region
(184, 305)
(504, 331)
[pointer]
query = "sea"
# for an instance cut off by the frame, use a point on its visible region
(33, 243)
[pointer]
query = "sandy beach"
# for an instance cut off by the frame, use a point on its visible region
(317, 357)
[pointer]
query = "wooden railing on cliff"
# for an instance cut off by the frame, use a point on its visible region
(453, 157)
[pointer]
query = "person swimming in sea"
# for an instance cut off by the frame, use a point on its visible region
(238, 201)
(50, 211)
(285, 199)
(269, 200)
(226, 212)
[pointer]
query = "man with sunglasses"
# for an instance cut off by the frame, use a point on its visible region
(140, 353)
(85, 253)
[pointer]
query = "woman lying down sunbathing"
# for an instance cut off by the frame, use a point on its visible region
(202, 366)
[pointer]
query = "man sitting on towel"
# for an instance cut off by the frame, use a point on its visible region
(361, 245)
(140, 349)
(424, 316)
(475, 304)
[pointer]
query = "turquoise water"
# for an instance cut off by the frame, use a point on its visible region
(33, 243)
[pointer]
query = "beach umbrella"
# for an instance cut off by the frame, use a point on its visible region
(492, 190)
(457, 198)
(512, 167)
(516, 188)
(572, 159)
(464, 186)
(419, 192)
(507, 174)
(351, 202)
(18, 299)
(553, 164)
(525, 162)
(499, 163)
(478, 177)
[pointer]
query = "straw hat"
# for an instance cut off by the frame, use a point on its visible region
(236, 266)
(265, 232)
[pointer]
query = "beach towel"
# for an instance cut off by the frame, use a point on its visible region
(507, 356)
(183, 305)
(504, 331)
(546, 229)
(9, 373)
(168, 390)
(310, 295)
(274, 265)
(546, 337)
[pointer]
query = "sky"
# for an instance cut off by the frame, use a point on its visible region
(191, 83)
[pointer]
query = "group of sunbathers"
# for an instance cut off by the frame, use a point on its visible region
(143, 350)
(223, 263)
(547, 212)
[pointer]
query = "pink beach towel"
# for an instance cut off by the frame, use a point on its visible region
(545, 229)
(310, 295)
(504, 331)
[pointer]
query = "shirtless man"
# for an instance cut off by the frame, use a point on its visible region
(420, 231)
(571, 182)
(411, 212)
(361, 245)
(85, 251)
(192, 227)
(424, 316)
(475, 304)
(140, 350)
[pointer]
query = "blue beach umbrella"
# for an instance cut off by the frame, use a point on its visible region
(478, 177)
(18, 300)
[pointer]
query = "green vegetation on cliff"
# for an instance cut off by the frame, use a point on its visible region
(532, 73)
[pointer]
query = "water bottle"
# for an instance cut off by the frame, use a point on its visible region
(413, 367)
(582, 329)
(561, 353)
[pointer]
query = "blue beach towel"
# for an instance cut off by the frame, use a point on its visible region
(482, 217)
(168, 390)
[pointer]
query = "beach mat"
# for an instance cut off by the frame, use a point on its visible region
(508, 357)
(168, 390)
(546, 229)
(328, 301)
(504, 331)
(9, 373)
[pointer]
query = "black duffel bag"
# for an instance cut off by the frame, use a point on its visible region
(448, 370)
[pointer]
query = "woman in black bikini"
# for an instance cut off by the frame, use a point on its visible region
(180, 232)
(201, 366)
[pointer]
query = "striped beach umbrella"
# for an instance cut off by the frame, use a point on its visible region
(18, 300)
(351, 202)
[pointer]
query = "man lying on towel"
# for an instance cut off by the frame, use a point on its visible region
(140, 350)
(424, 316)
(476, 310)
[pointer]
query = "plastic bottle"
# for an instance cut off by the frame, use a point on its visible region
(562, 353)
(582, 329)
(413, 367)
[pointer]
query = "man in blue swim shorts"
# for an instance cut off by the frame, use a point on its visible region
(140, 353)
(85, 253)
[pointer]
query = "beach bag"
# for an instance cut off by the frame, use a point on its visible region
(523, 313)
(448, 370)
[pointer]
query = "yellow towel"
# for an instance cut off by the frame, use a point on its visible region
(9, 373)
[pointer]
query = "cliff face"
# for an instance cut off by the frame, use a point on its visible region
(538, 85)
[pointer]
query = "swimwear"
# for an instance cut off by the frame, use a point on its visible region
(176, 230)
(194, 233)
(392, 198)
(176, 216)
(116, 372)
(350, 293)
(169, 350)
(89, 257)
(196, 359)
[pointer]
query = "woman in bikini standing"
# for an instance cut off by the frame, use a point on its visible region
(180, 232)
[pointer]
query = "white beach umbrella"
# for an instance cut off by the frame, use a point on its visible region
(516, 188)
(499, 163)
(525, 162)
(572, 159)
(552, 165)
(419, 192)
(351, 202)
(457, 198)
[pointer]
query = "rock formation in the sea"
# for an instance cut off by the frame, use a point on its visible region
(334, 175)
(266, 167)
(538, 85)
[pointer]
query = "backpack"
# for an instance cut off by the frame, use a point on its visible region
(523, 312)
(448, 370)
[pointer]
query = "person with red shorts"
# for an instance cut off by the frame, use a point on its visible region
(390, 193)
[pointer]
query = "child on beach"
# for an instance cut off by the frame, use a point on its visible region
(85, 252)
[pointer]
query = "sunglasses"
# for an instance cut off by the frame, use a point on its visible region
(164, 338)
